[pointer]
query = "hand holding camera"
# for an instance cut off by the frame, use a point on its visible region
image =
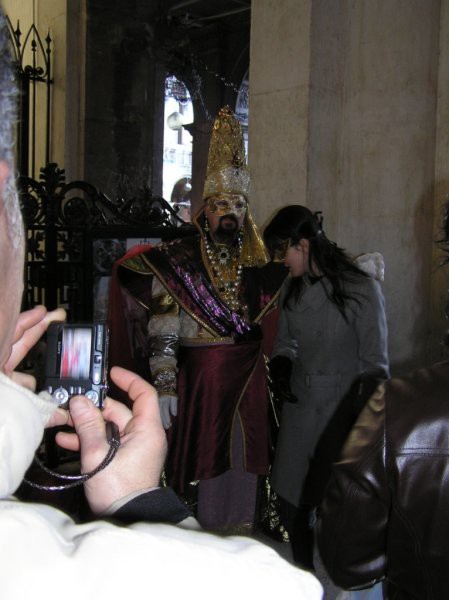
(77, 362)
(31, 326)
(139, 461)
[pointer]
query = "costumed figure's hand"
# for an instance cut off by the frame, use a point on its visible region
(31, 326)
(280, 373)
(140, 458)
(168, 405)
(165, 383)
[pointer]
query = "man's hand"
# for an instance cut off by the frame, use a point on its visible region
(31, 326)
(140, 459)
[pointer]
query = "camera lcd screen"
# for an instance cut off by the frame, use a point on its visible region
(76, 352)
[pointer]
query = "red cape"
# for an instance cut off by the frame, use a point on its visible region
(120, 352)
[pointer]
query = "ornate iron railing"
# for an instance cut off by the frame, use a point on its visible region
(69, 230)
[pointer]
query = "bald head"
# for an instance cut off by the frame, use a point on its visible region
(11, 267)
(11, 227)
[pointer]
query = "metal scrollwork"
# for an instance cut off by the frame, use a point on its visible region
(53, 202)
(61, 221)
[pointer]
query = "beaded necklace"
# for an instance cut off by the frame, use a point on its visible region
(226, 269)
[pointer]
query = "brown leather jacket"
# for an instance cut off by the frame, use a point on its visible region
(386, 509)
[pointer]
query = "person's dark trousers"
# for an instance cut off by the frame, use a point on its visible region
(302, 538)
(297, 521)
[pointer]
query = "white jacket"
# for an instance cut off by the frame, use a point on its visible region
(45, 555)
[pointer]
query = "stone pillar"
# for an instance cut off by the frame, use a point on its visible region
(279, 103)
(343, 100)
(383, 199)
(76, 88)
(438, 323)
(120, 130)
(200, 131)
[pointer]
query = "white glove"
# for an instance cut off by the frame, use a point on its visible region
(168, 405)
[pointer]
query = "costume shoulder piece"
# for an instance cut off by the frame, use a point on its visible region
(182, 250)
(179, 267)
(136, 264)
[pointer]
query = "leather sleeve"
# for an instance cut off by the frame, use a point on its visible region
(352, 520)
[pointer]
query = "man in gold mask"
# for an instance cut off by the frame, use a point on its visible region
(208, 298)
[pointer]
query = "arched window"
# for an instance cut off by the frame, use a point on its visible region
(177, 160)
(242, 108)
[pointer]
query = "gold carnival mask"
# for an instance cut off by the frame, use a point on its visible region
(227, 204)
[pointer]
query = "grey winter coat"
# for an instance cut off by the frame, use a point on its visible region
(328, 354)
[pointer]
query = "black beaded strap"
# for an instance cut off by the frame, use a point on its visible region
(113, 437)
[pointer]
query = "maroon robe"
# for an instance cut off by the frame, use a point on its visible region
(217, 383)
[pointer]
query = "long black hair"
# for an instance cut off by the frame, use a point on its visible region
(294, 223)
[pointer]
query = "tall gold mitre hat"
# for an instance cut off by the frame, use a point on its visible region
(227, 173)
(226, 165)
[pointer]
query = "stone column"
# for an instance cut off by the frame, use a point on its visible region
(76, 87)
(343, 99)
(279, 103)
(438, 323)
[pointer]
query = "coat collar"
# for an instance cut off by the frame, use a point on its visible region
(314, 296)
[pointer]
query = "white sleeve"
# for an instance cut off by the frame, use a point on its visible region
(163, 340)
(44, 549)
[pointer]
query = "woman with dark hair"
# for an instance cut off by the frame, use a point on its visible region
(332, 336)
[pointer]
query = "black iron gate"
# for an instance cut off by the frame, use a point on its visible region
(75, 233)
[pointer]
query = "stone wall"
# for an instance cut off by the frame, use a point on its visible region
(49, 18)
(343, 118)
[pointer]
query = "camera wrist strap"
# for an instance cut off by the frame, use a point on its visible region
(113, 437)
